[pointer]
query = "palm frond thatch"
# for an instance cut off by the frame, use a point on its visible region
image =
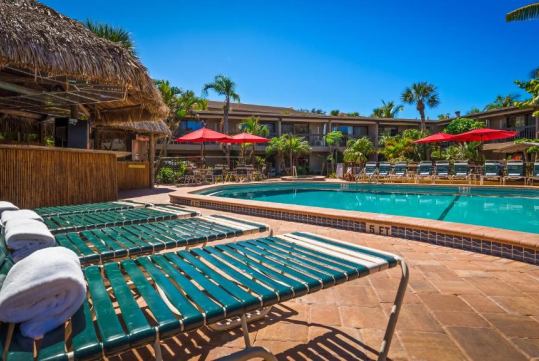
(47, 43)
(528, 12)
(159, 128)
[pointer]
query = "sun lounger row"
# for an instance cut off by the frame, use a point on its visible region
(104, 244)
(84, 221)
(460, 170)
(183, 291)
(88, 208)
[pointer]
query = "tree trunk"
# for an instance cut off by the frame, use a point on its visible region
(225, 130)
(421, 109)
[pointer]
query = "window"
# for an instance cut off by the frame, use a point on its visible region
(357, 131)
(392, 131)
(520, 121)
(187, 126)
(295, 128)
(271, 127)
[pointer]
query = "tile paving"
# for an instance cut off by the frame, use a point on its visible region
(459, 305)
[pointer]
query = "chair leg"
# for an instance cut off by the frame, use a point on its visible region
(390, 330)
(157, 348)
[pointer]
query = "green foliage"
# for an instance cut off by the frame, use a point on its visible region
(402, 146)
(252, 125)
(116, 34)
(502, 102)
(224, 86)
(461, 125)
(335, 112)
(358, 150)
(474, 110)
(443, 116)
(165, 175)
(333, 139)
(530, 150)
(287, 144)
(528, 12)
(531, 87)
(387, 110)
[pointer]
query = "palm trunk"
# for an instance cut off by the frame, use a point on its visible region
(225, 129)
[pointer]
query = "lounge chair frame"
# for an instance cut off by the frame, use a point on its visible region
(513, 174)
(489, 175)
(244, 276)
(420, 174)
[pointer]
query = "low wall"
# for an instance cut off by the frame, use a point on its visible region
(133, 175)
(32, 176)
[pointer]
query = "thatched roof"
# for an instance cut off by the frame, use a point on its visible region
(47, 44)
(159, 128)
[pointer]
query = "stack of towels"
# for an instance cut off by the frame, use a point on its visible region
(24, 232)
(43, 291)
(45, 287)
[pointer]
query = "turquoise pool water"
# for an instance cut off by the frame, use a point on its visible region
(507, 208)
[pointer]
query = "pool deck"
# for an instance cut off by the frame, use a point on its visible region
(515, 245)
(460, 305)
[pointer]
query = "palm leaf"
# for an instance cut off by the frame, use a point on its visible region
(528, 12)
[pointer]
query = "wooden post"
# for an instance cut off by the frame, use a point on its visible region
(151, 159)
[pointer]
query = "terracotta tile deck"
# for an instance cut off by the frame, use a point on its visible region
(459, 305)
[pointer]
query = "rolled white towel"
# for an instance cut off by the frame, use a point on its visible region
(43, 291)
(25, 236)
(20, 214)
(7, 206)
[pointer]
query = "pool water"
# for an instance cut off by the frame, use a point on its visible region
(507, 208)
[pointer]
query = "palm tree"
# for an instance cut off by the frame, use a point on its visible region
(358, 150)
(387, 110)
(181, 104)
(474, 110)
(277, 146)
(252, 125)
(528, 12)
(335, 113)
(116, 34)
(223, 86)
(332, 139)
(295, 146)
(422, 94)
(503, 102)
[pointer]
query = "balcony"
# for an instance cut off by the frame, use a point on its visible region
(526, 132)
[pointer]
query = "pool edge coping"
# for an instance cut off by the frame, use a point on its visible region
(306, 214)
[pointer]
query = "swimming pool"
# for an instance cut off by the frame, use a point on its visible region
(508, 208)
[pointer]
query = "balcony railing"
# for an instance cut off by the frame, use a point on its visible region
(526, 132)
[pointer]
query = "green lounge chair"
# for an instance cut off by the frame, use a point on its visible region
(515, 171)
(186, 290)
(88, 208)
(114, 243)
(400, 171)
(535, 173)
(492, 171)
(461, 171)
(84, 221)
(424, 171)
(369, 171)
(384, 171)
(443, 171)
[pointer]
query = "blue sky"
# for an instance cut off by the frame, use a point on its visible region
(345, 55)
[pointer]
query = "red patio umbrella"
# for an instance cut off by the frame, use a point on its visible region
(435, 138)
(247, 138)
(483, 134)
(204, 135)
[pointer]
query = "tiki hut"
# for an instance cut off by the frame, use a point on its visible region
(52, 66)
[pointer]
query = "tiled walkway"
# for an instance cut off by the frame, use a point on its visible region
(459, 306)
